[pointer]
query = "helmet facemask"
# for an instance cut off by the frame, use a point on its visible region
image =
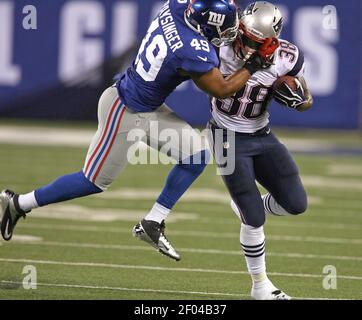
(224, 38)
(227, 36)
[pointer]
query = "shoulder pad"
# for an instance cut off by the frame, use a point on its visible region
(289, 59)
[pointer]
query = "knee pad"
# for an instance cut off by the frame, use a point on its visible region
(296, 205)
(249, 218)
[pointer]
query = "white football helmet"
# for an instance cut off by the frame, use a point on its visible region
(259, 21)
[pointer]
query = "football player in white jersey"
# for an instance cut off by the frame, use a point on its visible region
(258, 154)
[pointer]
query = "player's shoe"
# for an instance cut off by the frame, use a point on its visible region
(268, 292)
(10, 213)
(153, 233)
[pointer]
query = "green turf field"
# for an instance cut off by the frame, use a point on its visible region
(84, 249)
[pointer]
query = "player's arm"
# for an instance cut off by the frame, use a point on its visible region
(219, 87)
(309, 99)
(301, 99)
(213, 82)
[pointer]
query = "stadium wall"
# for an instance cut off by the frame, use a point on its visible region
(58, 69)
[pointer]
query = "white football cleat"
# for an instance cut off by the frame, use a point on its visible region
(268, 292)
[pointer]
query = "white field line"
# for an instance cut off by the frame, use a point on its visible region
(199, 195)
(342, 204)
(81, 286)
(154, 268)
(277, 222)
(46, 136)
(13, 134)
(344, 170)
(78, 286)
(81, 213)
(189, 250)
(332, 183)
(200, 234)
(209, 196)
(202, 195)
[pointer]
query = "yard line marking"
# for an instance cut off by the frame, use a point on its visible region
(332, 183)
(199, 195)
(190, 250)
(201, 234)
(81, 213)
(275, 222)
(313, 256)
(81, 286)
(143, 267)
(344, 170)
(314, 239)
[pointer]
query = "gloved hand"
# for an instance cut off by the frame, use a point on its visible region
(286, 96)
(262, 59)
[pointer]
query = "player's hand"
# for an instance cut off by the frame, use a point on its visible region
(293, 99)
(256, 63)
(262, 59)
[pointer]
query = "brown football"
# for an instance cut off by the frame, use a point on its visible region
(288, 79)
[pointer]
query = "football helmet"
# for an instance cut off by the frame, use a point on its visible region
(216, 20)
(259, 21)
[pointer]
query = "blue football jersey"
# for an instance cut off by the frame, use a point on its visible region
(169, 45)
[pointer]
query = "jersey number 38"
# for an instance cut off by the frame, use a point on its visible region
(250, 102)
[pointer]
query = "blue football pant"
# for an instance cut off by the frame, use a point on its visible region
(265, 160)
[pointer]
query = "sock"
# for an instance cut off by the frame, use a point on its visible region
(272, 207)
(64, 188)
(158, 213)
(252, 242)
(181, 177)
(27, 201)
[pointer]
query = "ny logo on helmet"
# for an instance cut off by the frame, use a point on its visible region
(216, 19)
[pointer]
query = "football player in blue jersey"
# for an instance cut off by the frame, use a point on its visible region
(178, 46)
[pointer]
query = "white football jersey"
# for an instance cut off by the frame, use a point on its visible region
(246, 111)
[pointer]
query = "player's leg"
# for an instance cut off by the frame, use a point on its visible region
(98, 172)
(248, 206)
(186, 147)
(277, 172)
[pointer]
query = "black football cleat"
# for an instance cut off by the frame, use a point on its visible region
(153, 233)
(10, 213)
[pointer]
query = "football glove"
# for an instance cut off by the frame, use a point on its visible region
(262, 59)
(286, 96)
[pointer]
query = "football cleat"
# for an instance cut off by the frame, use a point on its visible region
(10, 213)
(268, 292)
(153, 233)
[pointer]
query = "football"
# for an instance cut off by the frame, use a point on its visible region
(283, 95)
(289, 80)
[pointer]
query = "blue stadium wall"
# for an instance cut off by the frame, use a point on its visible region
(58, 70)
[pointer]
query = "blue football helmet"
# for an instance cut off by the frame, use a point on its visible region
(216, 20)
